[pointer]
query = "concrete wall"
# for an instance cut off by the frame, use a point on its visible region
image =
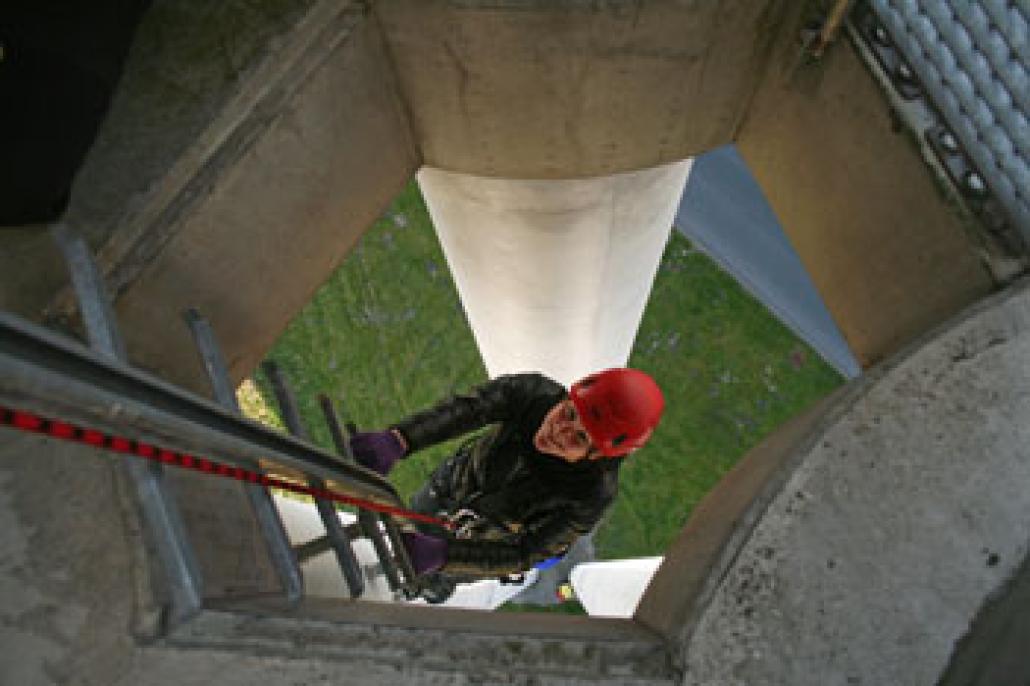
(886, 252)
(276, 135)
(559, 89)
(237, 197)
(246, 150)
(297, 178)
(880, 525)
(186, 63)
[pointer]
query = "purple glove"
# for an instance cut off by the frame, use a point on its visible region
(427, 553)
(377, 450)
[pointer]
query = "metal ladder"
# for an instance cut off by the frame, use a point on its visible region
(50, 373)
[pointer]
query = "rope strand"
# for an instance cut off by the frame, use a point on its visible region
(33, 423)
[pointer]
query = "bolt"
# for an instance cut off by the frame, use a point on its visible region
(974, 183)
(948, 141)
(904, 72)
(880, 35)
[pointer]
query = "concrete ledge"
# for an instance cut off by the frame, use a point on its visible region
(399, 615)
(435, 642)
(720, 524)
(892, 513)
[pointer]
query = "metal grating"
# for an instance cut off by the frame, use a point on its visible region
(972, 59)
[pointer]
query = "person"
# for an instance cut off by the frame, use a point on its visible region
(522, 491)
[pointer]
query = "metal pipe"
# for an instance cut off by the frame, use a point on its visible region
(158, 507)
(316, 546)
(338, 539)
(369, 521)
(265, 513)
(94, 304)
(393, 532)
(44, 372)
(830, 27)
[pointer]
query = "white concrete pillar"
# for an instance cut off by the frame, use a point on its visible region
(554, 275)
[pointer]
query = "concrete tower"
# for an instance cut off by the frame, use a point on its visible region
(252, 143)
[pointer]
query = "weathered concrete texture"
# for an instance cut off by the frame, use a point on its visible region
(899, 521)
(443, 646)
(232, 554)
(699, 557)
(575, 88)
(994, 650)
(888, 256)
(201, 667)
(71, 560)
(187, 61)
(299, 168)
(27, 291)
(276, 122)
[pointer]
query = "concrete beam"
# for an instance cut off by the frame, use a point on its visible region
(185, 67)
(529, 89)
(268, 196)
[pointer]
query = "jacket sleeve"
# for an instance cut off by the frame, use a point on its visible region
(503, 398)
(551, 537)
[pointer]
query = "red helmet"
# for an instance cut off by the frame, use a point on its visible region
(619, 408)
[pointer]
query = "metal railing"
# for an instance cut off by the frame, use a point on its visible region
(44, 372)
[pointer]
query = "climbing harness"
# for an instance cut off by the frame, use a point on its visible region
(33, 423)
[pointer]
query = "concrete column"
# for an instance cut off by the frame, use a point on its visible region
(554, 275)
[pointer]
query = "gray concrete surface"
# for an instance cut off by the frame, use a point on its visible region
(271, 132)
(277, 135)
(75, 586)
(887, 253)
(285, 177)
(187, 60)
(244, 154)
(899, 515)
(560, 89)
(866, 567)
(994, 649)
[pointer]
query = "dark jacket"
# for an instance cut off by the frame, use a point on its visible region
(528, 506)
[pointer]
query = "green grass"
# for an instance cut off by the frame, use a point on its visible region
(731, 374)
(386, 336)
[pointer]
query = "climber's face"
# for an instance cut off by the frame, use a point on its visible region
(562, 434)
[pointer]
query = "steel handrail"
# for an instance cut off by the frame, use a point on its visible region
(47, 373)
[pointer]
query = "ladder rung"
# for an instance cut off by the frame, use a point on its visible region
(338, 540)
